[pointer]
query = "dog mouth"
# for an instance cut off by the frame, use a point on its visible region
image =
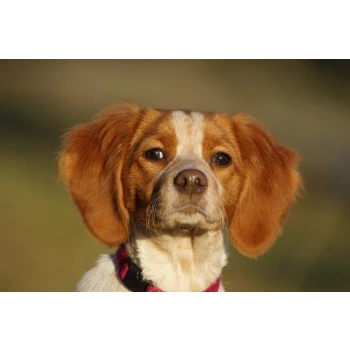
(188, 218)
(190, 210)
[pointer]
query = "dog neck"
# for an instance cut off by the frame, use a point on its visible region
(178, 262)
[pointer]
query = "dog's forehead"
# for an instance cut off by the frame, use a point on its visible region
(189, 131)
(184, 133)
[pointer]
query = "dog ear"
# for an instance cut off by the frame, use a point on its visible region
(91, 163)
(270, 184)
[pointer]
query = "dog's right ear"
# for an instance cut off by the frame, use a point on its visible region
(91, 163)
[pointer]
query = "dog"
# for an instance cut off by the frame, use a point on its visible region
(166, 186)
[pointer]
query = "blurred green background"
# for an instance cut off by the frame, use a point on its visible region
(44, 245)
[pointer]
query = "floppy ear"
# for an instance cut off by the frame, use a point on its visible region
(91, 163)
(270, 185)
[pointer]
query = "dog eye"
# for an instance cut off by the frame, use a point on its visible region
(155, 154)
(221, 159)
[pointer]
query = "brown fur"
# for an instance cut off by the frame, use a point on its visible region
(270, 184)
(91, 164)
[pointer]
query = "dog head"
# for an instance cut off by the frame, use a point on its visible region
(179, 172)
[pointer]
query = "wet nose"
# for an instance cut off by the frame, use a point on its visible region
(191, 181)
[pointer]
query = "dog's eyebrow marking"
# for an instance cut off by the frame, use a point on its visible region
(189, 131)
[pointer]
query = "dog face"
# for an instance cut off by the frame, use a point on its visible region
(171, 183)
(179, 172)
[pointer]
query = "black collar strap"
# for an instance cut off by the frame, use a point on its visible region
(131, 274)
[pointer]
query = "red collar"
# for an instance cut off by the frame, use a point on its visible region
(131, 275)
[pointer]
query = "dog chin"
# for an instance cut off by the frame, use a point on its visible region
(183, 223)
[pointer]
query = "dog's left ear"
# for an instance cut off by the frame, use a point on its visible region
(270, 184)
(91, 163)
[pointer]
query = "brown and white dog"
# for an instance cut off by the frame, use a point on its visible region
(169, 184)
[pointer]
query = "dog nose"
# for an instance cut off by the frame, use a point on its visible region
(191, 181)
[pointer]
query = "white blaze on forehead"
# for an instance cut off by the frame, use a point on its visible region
(189, 131)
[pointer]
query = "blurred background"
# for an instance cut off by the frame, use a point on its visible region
(44, 245)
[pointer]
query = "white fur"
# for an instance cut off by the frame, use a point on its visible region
(189, 134)
(102, 277)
